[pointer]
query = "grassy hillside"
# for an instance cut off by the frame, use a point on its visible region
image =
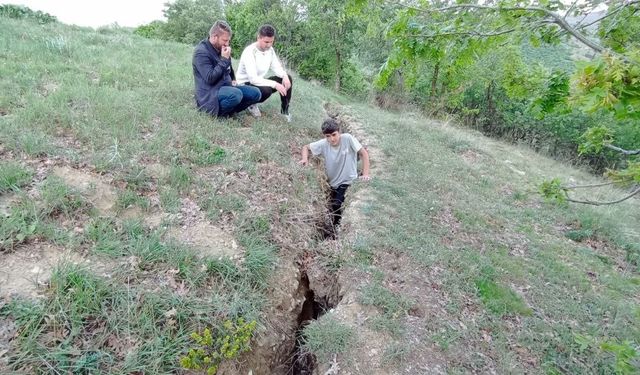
(131, 221)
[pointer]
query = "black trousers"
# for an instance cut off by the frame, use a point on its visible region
(336, 199)
(266, 92)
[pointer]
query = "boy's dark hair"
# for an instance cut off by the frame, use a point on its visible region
(329, 126)
(266, 30)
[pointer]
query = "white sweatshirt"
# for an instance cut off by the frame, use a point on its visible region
(255, 64)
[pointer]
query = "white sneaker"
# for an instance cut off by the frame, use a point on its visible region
(287, 117)
(254, 110)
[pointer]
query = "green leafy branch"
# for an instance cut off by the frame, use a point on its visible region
(626, 353)
(554, 190)
(595, 140)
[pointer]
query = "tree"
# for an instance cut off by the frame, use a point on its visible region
(610, 83)
(189, 21)
(330, 28)
(245, 17)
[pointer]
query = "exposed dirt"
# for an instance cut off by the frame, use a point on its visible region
(471, 157)
(6, 200)
(28, 267)
(8, 331)
(208, 239)
(196, 231)
(102, 195)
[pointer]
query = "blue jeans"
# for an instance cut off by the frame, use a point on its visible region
(234, 99)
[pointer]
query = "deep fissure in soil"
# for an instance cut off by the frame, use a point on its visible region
(314, 306)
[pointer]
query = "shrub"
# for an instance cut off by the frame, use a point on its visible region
(189, 21)
(152, 30)
(22, 12)
(231, 341)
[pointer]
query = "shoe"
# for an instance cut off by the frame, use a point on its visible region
(254, 110)
(287, 117)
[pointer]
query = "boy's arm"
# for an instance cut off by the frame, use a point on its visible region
(305, 155)
(364, 155)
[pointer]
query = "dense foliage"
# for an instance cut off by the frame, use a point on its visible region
(22, 12)
(542, 73)
(316, 38)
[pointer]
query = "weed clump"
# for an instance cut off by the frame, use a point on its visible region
(231, 341)
(499, 299)
(13, 177)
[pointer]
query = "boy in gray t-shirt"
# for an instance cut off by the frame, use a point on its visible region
(340, 153)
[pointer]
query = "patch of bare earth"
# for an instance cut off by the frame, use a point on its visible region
(8, 331)
(100, 193)
(6, 200)
(29, 267)
(195, 230)
(471, 157)
(290, 231)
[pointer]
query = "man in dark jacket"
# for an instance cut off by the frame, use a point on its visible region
(216, 90)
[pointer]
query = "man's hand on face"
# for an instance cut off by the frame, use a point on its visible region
(226, 52)
(281, 89)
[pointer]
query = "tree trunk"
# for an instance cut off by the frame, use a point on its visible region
(489, 125)
(338, 69)
(434, 80)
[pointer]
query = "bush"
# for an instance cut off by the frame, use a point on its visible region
(354, 81)
(231, 341)
(22, 12)
(245, 17)
(189, 21)
(152, 30)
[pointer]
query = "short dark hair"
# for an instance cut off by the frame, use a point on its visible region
(267, 30)
(218, 27)
(329, 126)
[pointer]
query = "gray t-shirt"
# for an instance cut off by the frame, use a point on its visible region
(340, 162)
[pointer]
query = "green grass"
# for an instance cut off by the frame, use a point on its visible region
(61, 199)
(25, 221)
(495, 271)
(437, 210)
(201, 152)
(13, 176)
(129, 198)
(500, 299)
(389, 302)
(119, 107)
(179, 178)
(327, 336)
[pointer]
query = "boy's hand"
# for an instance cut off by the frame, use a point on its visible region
(365, 177)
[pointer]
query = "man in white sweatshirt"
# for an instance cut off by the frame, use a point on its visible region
(256, 61)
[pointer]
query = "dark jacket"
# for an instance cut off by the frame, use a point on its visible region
(210, 72)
